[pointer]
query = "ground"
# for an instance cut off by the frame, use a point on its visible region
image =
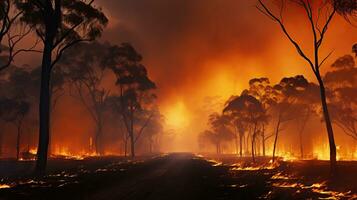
(178, 176)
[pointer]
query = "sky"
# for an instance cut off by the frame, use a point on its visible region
(203, 51)
(200, 52)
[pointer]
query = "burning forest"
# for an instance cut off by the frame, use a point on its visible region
(178, 99)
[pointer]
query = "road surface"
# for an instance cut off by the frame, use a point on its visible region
(181, 176)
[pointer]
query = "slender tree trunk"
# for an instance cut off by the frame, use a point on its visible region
(276, 136)
(18, 141)
(253, 141)
(132, 140)
(263, 140)
(305, 119)
(236, 143)
(125, 147)
(44, 110)
(241, 137)
(333, 162)
(1, 144)
(98, 148)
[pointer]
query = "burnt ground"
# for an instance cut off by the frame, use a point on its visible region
(178, 176)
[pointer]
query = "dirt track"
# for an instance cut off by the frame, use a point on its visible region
(171, 177)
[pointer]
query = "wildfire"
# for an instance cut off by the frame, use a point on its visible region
(66, 154)
(4, 186)
(33, 151)
(240, 167)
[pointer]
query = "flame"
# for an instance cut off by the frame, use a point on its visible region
(240, 167)
(33, 151)
(4, 186)
(66, 154)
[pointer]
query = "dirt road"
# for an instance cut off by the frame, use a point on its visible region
(167, 177)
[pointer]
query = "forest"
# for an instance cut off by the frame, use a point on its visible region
(178, 99)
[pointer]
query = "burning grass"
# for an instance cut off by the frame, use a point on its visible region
(289, 177)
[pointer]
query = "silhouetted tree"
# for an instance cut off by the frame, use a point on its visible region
(305, 105)
(14, 111)
(59, 24)
(12, 33)
(319, 27)
(286, 92)
(85, 68)
(219, 130)
(136, 97)
(251, 111)
(261, 89)
(342, 89)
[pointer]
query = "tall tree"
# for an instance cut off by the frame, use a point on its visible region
(342, 84)
(136, 97)
(14, 111)
(261, 89)
(59, 24)
(319, 27)
(286, 92)
(85, 67)
(251, 111)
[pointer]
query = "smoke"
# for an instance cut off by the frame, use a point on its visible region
(208, 48)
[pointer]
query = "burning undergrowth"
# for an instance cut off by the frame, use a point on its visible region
(287, 179)
(68, 171)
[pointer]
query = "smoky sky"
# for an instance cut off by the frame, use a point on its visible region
(177, 37)
(180, 38)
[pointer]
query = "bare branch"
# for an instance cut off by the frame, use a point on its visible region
(287, 34)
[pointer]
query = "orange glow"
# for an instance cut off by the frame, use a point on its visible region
(177, 117)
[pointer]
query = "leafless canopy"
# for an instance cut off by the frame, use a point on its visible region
(319, 20)
(11, 34)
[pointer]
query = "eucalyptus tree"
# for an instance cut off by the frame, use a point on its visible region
(14, 111)
(318, 19)
(136, 90)
(84, 67)
(286, 92)
(261, 89)
(59, 24)
(12, 33)
(342, 84)
(251, 112)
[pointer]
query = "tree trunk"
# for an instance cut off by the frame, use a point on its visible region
(1, 144)
(253, 141)
(301, 132)
(263, 140)
(132, 139)
(241, 137)
(333, 162)
(98, 137)
(125, 147)
(276, 136)
(44, 108)
(236, 143)
(18, 140)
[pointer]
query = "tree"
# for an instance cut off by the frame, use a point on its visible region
(153, 130)
(305, 105)
(14, 111)
(59, 24)
(240, 126)
(84, 66)
(251, 111)
(319, 27)
(11, 34)
(287, 91)
(219, 131)
(342, 99)
(136, 97)
(261, 89)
